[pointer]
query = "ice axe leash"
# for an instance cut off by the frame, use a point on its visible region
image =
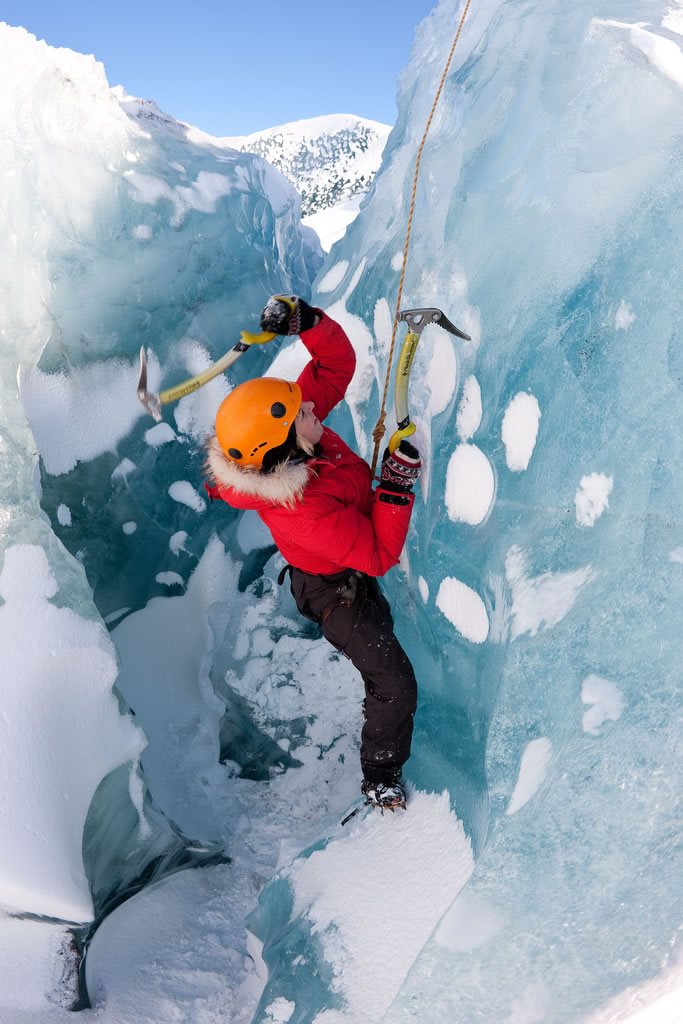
(417, 320)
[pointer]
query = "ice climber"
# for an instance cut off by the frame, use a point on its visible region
(271, 453)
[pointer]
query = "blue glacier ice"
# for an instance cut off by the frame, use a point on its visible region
(548, 224)
(536, 875)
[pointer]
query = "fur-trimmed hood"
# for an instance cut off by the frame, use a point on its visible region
(249, 488)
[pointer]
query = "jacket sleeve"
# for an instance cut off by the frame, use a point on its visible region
(325, 378)
(372, 544)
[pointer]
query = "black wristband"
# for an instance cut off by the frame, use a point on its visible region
(394, 498)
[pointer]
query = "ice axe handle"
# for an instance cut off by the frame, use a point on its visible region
(398, 436)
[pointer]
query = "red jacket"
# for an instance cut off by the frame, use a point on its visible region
(323, 514)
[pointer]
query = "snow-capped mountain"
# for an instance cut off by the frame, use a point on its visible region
(330, 160)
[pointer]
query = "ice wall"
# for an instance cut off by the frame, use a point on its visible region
(116, 232)
(541, 586)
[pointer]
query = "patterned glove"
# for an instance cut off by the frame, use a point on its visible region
(280, 318)
(400, 470)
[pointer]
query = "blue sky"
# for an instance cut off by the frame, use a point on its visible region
(233, 68)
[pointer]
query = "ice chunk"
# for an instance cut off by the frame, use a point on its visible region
(129, 527)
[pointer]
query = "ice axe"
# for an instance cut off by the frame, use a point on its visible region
(153, 402)
(417, 320)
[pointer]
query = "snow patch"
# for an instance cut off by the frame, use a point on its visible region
(124, 467)
(142, 231)
(77, 416)
(469, 923)
(397, 261)
(469, 410)
(592, 497)
(520, 430)
(676, 555)
(382, 324)
(424, 588)
(470, 485)
(279, 1011)
(464, 608)
(177, 542)
(334, 277)
(129, 527)
(184, 493)
(606, 700)
(202, 195)
(64, 515)
(348, 892)
(624, 316)
(169, 579)
(542, 601)
(673, 20)
(533, 769)
(159, 434)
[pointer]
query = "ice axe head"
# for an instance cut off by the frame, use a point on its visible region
(148, 398)
(417, 320)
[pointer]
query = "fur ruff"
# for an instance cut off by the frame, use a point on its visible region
(285, 485)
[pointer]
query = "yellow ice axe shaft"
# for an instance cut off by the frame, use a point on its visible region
(153, 402)
(405, 427)
(417, 320)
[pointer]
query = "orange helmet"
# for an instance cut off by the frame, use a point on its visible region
(255, 418)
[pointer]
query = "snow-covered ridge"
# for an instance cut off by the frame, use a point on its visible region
(328, 159)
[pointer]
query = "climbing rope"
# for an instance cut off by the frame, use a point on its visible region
(378, 432)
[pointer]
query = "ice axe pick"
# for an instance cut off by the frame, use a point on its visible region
(417, 320)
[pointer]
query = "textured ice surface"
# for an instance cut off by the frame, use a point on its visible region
(548, 226)
(61, 734)
(116, 232)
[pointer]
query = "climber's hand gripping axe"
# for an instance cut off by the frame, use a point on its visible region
(417, 320)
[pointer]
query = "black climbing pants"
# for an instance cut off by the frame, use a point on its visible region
(363, 628)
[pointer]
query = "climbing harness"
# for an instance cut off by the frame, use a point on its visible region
(378, 432)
